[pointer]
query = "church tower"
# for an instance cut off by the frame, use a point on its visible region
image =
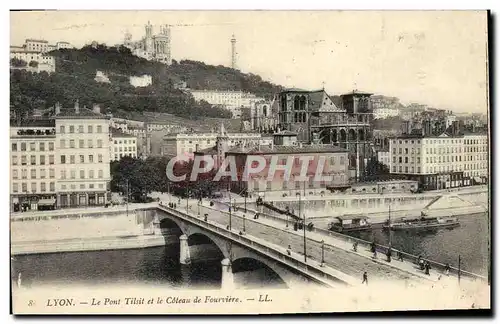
(148, 46)
(222, 143)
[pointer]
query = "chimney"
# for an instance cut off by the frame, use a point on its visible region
(96, 109)
(58, 108)
(197, 148)
(77, 107)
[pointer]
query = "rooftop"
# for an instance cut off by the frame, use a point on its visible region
(46, 122)
(36, 40)
(357, 92)
(84, 113)
(116, 133)
(282, 149)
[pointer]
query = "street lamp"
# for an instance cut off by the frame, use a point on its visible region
(323, 253)
(246, 193)
(244, 217)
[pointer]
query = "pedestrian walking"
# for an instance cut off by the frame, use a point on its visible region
(355, 246)
(289, 250)
(388, 254)
(400, 256)
(365, 278)
(447, 269)
(427, 268)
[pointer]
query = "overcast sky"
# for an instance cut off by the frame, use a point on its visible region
(432, 57)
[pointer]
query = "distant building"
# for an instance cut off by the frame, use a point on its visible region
(384, 107)
(188, 143)
(142, 81)
(43, 61)
(63, 45)
(101, 77)
(122, 145)
(234, 101)
(384, 157)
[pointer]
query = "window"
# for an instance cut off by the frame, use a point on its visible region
(73, 174)
(42, 173)
(23, 146)
(406, 150)
(400, 150)
(63, 174)
(25, 187)
(393, 159)
(342, 160)
(90, 129)
(14, 160)
(52, 173)
(42, 147)
(393, 150)
(63, 143)
(33, 159)
(63, 159)
(82, 186)
(80, 129)
(81, 144)
(14, 174)
(91, 174)
(24, 173)
(91, 186)
(71, 129)
(90, 143)
(42, 159)
(99, 158)
(418, 159)
(400, 159)
(33, 187)
(99, 173)
(42, 187)
(99, 143)
(82, 158)
(15, 187)
(33, 146)
(72, 143)
(72, 159)
(14, 147)
(91, 158)
(82, 174)
(52, 186)
(51, 146)
(406, 169)
(99, 129)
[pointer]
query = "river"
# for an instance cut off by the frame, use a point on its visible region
(470, 241)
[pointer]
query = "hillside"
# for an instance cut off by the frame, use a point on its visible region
(76, 70)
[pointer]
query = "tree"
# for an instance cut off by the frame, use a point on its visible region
(15, 62)
(375, 169)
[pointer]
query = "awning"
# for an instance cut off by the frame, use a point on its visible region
(47, 202)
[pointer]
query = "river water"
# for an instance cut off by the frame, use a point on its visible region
(160, 265)
(469, 241)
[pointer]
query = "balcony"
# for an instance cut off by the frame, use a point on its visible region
(36, 132)
(341, 120)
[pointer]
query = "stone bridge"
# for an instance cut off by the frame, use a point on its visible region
(243, 258)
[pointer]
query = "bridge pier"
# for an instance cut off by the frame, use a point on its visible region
(227, 280)
(184, 256)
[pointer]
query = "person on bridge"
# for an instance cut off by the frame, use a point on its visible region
(365, 278)
(388, 254)
(427, 268)
(400, 256)
(355, 246)
(289, 250)
(447, 269)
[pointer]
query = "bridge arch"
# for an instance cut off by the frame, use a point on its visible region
(256, 274)
(204, 246)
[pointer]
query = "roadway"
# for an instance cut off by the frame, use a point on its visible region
(347, 262)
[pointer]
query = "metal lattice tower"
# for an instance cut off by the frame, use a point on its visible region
(233, 52)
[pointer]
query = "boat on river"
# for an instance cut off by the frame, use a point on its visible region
(350, 223)
(422, 223)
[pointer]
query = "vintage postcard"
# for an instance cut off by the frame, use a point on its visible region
(249, 162)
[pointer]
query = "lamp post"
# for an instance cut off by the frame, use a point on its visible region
(244, 228)
(246, 193)
(199, 203)
(323, 253)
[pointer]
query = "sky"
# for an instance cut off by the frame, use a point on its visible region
(437, 58)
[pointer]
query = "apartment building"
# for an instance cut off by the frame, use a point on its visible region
(62, 161)
(121, 145)
(440, 162)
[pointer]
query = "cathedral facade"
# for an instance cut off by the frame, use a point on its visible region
(152, 47)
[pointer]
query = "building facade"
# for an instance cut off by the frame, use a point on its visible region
(441, 162)
(188, 143)
(234, 101)
(314, 117)
(122, 145)
(33, 165)
(82, 146)
(65, 163)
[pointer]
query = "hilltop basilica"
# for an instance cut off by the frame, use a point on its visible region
(152, 47)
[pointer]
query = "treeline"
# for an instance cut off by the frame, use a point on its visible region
(145, 176)
(76, 70)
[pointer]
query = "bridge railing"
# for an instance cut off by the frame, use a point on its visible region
(310, 269)
(379, 247)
